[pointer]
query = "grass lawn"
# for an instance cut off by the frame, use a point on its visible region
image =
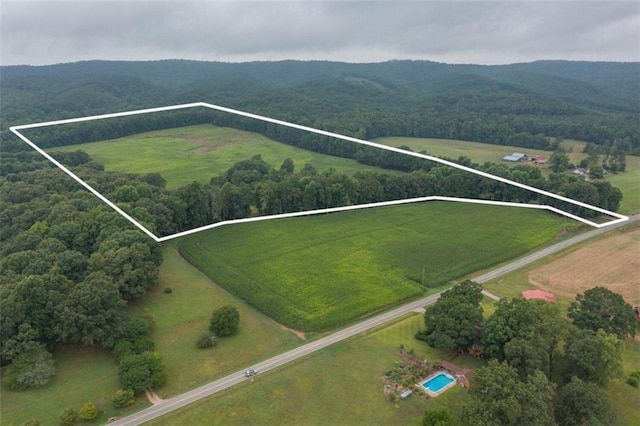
(338, 385)
(82, 375)
(629, 184)
(183, 316)
(316, 272)
(198, 153)
(88, 374)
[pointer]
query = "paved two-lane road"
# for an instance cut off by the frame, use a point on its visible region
(186, 398)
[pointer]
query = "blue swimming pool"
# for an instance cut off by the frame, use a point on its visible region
(436, 383)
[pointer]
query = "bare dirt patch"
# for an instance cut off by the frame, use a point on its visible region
(153, 397)
(205, 144)
(301, 335)
(613, 262)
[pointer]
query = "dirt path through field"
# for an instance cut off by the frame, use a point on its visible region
(613, 262)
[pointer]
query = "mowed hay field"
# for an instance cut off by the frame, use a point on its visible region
(612, 262)
(316, 272)
(198, 153)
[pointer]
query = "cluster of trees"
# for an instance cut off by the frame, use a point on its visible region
(69, 267)
(544, 368)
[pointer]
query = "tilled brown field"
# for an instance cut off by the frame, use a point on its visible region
(612, 262)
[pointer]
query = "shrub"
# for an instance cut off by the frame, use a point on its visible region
(123, 398)
(206, 341)
(633, 381)
(29, 370)
(68, 417)
(168, 290)
(88, 411)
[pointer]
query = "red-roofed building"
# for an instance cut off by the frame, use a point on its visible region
(539, 294)
(539, 159)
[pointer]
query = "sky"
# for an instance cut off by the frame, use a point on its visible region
(481, 32)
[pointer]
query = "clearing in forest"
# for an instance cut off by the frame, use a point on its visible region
(330, 138)
(198, 153)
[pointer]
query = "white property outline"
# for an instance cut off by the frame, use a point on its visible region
(16, 131)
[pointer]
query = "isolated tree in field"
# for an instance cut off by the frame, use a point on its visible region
(581, 403)
(454, 321)
(225, 321)
(600, 308)
(593, 357)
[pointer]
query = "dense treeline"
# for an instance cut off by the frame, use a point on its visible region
(69, 266)
(543, 368)
(254, 188)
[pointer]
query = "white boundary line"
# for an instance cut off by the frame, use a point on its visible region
(16, 131)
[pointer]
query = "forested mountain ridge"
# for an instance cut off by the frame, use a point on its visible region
(516, 104)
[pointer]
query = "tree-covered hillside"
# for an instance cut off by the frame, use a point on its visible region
(517, 104)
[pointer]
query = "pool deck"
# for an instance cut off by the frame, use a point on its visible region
(446, 387)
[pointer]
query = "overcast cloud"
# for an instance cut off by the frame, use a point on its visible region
(47, 32)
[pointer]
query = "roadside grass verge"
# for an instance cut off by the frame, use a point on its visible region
(86, 374)
(337, 385)
(314, 273)
(183, 315)
(198, 153)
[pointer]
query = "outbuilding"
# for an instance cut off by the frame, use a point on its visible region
(515, 157)
(406, 394)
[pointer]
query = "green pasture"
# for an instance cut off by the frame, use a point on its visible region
(181, 317)
(317, 272)
(82, 375)
(198, 153)
(478, 152)
(339, 385)
(628, 182)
